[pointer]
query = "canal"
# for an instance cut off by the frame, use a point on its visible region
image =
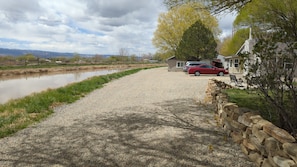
(26, 85)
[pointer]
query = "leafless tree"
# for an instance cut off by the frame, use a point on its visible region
(123, 52)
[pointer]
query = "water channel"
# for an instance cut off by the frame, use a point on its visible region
(26, 85)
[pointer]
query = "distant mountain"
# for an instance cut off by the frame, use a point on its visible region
(38, 53)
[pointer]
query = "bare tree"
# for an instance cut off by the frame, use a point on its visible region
(216, 6)
(222, 5)
(123, 52)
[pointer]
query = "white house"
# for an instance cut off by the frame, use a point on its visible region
(233, 62)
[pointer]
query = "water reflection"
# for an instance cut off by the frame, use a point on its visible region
(23, 86)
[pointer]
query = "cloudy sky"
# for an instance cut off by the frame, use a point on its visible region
(83, 26)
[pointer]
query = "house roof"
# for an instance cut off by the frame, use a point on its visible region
(228, 57)
(171, 58)
(240, 49)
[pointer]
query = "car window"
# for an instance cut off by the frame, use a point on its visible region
(193, 64)
(206, 66)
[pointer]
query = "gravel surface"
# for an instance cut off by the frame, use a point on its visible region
(151, 118)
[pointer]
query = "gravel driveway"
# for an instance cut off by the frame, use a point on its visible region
(151, 118)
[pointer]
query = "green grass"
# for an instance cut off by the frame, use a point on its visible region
(245, 99)
(253, 101)
(20, 113)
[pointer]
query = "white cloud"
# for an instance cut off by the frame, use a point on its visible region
(82, 26)
(226, 22)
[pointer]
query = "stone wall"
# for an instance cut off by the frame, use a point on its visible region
(264, 143)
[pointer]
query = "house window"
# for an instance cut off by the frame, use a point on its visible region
(236, 63)
(180, 64)
(231, 63)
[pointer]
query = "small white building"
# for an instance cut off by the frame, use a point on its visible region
(174, 64)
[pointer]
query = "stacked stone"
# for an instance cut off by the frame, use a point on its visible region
(210, 92)
(264, 143)
(214, 88)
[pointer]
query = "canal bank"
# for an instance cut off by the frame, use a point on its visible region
(28, 84)
(22, 82)
(20, 113)
(15, 73)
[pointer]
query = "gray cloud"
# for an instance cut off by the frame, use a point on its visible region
(114, 8)
(83, 26)
(51, 21)
(19, 10)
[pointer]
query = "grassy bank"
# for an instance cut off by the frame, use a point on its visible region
(19, 114)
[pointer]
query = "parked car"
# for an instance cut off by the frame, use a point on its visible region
(191, 64)
(207, 69)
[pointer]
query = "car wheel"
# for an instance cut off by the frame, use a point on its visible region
(197, 73)
(221, 73)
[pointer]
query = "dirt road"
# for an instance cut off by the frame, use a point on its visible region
(150, 118)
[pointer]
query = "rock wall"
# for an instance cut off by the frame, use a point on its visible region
(264, 143)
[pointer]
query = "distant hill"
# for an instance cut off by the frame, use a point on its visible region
(39, 53)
